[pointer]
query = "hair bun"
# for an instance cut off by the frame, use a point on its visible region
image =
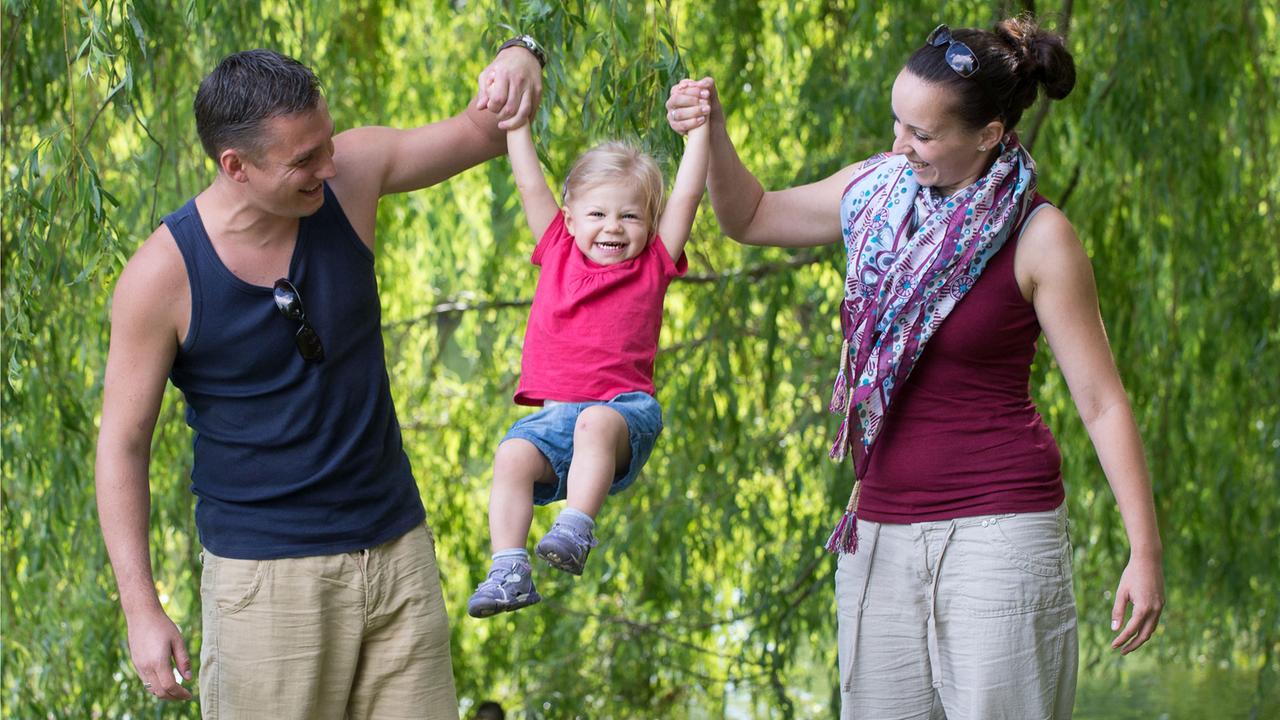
(1042, 55)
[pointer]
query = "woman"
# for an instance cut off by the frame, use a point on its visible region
(954, 580)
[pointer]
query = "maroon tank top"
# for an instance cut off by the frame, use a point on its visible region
(963, 437)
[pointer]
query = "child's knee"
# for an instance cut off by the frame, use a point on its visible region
(518, 457)
(599, 422)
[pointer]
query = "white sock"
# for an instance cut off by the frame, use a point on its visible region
(510, 556)
(579, 521)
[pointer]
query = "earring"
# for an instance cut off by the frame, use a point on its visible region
(982, 148)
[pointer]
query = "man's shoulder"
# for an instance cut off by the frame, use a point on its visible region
(359, 156)
(159, 252)
(156, 271)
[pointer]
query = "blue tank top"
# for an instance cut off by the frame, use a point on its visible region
(292, 458)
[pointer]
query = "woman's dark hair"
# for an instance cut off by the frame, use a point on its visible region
(1014, 60)
(243, 92)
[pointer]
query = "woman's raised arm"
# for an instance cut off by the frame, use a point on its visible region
(802, 216)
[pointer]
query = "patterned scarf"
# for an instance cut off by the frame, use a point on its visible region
(903, 279)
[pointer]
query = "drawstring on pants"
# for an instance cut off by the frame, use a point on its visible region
(846, 682)
(935, 657)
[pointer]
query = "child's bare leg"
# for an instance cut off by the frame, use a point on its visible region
(509, 584)
(517, 465)
(601, 447)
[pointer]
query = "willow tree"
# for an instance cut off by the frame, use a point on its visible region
(710, 591)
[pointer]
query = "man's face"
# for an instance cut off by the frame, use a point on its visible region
(287, 177)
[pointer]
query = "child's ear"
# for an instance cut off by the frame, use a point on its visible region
(568, 220)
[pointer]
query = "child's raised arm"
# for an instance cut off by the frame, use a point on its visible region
(691, 179)
(539, 203)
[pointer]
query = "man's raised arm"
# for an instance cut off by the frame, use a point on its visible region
(376, 161)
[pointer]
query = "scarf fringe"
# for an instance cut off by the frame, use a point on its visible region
(840, 448)
(840, 394)
(844, 539)
(841, 399)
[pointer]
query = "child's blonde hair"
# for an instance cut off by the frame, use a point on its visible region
(616, 161)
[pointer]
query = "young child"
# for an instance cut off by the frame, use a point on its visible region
(606, 260)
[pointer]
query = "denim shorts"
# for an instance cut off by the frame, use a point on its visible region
(551, 431)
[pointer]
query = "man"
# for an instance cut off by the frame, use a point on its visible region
(320, 593)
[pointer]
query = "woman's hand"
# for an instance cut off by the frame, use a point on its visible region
(693, 103)
(1142, 586)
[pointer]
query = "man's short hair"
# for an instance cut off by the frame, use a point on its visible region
(246, 90)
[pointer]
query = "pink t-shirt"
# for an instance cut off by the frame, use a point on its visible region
(593, 329)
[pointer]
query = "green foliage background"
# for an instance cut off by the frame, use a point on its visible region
(710, 595)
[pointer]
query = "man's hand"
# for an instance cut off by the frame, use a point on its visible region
(156, 647)
(511, 87)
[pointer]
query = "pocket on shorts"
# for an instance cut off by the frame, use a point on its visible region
(1010, 565)
(1035, 543)
(230, 585)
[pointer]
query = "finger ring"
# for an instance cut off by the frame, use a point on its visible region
(146, 686)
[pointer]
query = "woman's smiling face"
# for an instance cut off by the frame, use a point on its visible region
(943, 152)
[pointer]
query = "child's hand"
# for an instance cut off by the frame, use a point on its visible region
(701, 130)
(691, 103)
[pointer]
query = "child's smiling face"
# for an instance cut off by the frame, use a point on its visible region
(608, 222)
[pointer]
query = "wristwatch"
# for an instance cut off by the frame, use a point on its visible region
(528, 43)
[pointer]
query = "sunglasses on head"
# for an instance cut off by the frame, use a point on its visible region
(289, 303)
(959, 56)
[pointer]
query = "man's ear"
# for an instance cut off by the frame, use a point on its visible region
(232, 162)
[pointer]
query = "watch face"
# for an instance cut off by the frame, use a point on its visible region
(533, 47)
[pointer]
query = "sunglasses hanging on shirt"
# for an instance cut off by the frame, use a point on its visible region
(289, 303)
